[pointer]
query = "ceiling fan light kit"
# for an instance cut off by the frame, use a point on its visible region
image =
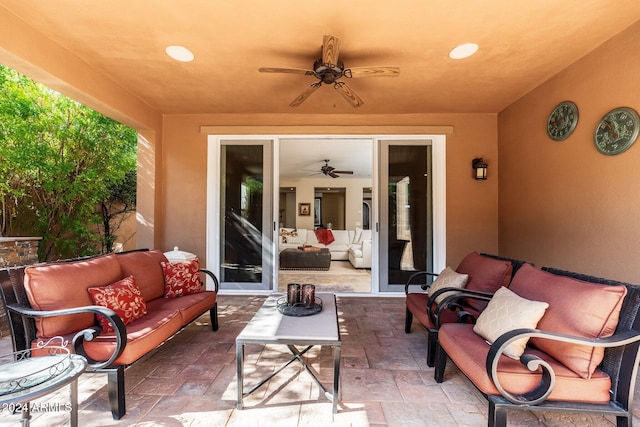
(329, 69)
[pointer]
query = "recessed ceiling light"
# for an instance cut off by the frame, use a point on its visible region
(180, 53)
(463, 51)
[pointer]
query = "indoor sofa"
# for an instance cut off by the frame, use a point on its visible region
(552, 341)
(112, 309)
(339, 243)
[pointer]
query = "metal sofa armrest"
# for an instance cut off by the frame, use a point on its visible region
(213, 277)
(86, 334)
(417, 275)
(547, 382)
(453, 302)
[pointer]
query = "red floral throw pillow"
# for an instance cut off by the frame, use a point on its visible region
(181, 278)
(123, 297)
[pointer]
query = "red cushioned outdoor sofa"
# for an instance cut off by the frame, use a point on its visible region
(51, 300)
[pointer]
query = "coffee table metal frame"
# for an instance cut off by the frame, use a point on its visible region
(269, 326)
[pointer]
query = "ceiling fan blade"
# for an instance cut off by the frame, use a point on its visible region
(304, 95)
(285, 70)
(349, 94)
(344, 172)
(333, 175)
(372, 72)
(330, 50)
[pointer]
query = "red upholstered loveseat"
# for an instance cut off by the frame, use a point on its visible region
(49, 300)
(581, 355)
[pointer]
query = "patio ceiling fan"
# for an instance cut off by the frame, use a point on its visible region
(329, 69)
(331, 171)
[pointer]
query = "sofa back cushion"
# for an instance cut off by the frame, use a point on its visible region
(64, 285)
(486, 274)
(145, 268)
(342, 237)
(575, 308)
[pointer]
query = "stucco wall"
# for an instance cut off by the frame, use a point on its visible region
(472, 206)
(563, 203)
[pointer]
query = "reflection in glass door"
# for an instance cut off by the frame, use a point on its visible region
(245, 215)
(406, 212)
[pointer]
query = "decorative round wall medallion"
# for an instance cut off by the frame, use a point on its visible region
(617, 131)
(562, 121)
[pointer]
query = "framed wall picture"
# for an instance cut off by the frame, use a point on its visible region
(304, 209)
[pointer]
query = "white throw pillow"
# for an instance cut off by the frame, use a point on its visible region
(505, 312)
(448, 278)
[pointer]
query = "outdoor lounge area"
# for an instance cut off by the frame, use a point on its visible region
(366, 117)
(385, 380)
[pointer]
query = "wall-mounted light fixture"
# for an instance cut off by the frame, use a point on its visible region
(479, 168)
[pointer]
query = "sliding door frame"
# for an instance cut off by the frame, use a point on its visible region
(213, 196)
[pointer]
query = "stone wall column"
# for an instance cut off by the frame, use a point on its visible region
(14, 252)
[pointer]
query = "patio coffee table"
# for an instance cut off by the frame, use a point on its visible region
(269, 326)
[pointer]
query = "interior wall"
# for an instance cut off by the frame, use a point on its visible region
(472, 206)
(305, 193)
(565, 204)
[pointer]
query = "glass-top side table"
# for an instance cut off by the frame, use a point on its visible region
(24, 378)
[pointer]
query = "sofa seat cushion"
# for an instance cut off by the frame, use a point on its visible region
(417, 305)
(338, 247)
(575, 308)
(145, 267)
(143, 335)
(123, 297)
(469, 352)
(486, 274)
(63, 285)
(189, 306)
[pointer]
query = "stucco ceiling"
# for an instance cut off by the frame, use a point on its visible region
(522, 44)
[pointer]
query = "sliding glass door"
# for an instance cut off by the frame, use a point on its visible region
(406, 212)
(244, 185)
(250, 198)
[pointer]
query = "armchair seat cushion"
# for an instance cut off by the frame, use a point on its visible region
(469, 351)
(417, 304)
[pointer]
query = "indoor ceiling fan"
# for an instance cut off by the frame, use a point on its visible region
(329, 69)
(331, 171)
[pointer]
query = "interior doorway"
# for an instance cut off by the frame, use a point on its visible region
(331, 175)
